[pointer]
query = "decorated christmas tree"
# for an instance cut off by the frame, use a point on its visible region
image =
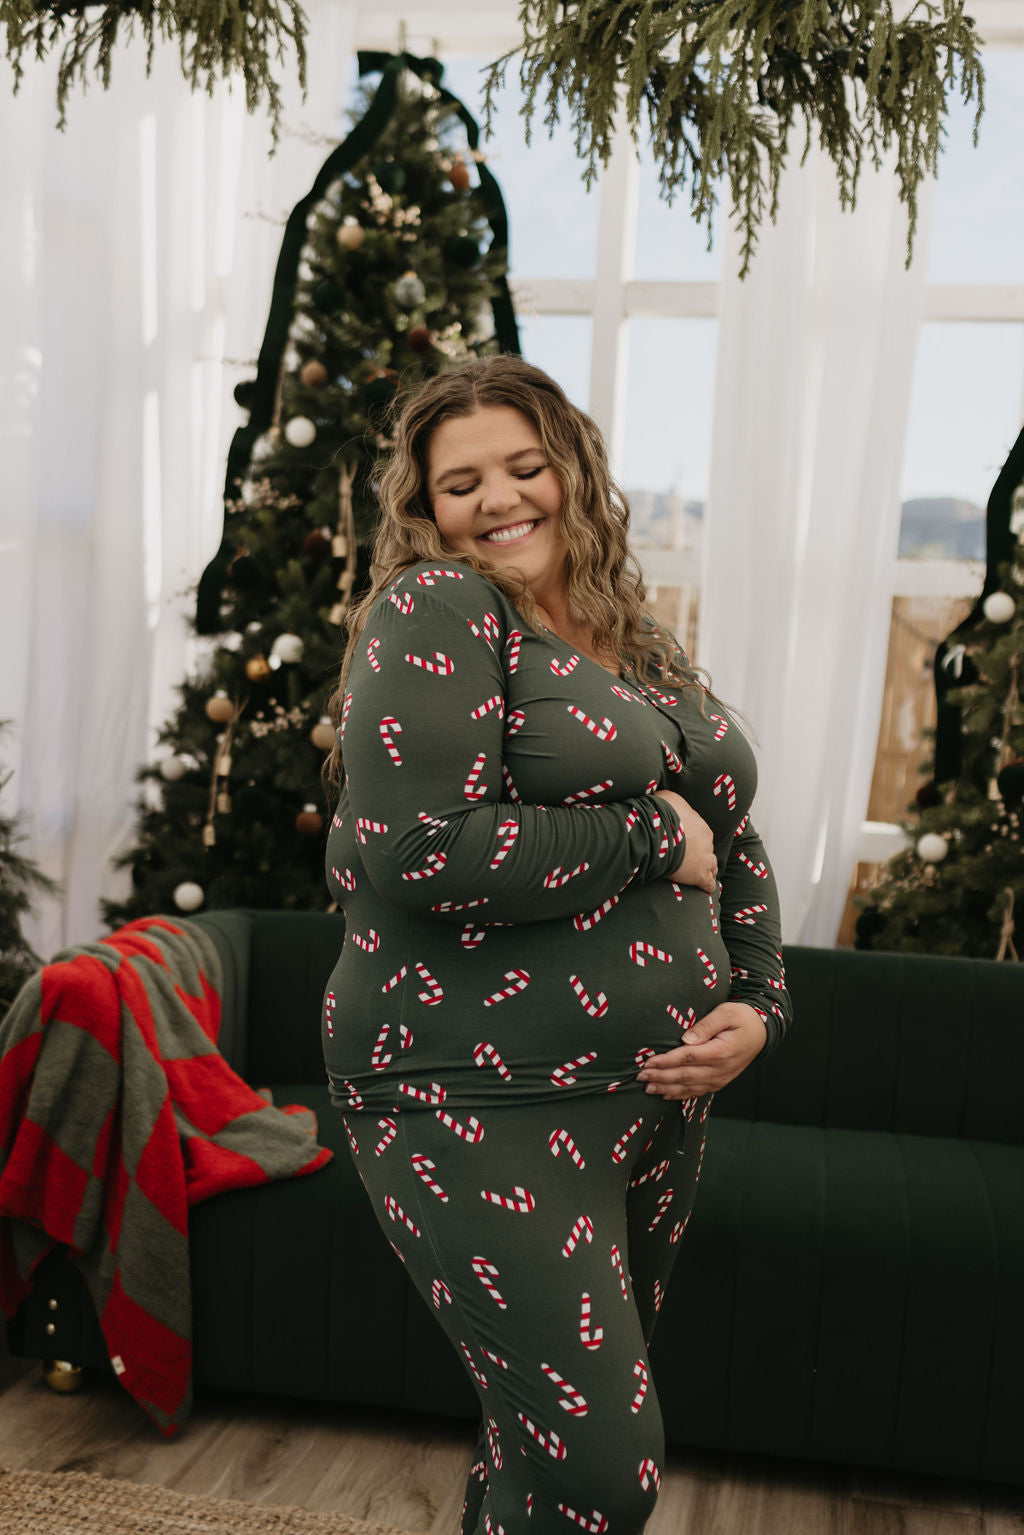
(958, 887)
(392, 268)
(20, 881)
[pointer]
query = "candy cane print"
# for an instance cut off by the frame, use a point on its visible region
(583, 1227)
(653, 1174)
(355, 1098)
(487, 1274)
(629, 698)
(483, 1053)
(371, 650)
(643, 1054)
(351, 1138)
(573, 1401)
(648, 1472)
(723, 725)
(561, 669)
(518, 980)
(440, 666)
(399, 975)
(473, 788)
(464, 906)
(404, 604)
(520, 1200)
(687, 1105)
(639, 1370)
(364, 824)
(336, 821)
(493, 1529)
(346, 706)
(489, 706)
(590, 1336)
(396, 1250)
(617, 1266)
(743, 825)
(583, 922)
(711, 979)
(431, 822)
(405, 1036)
(514, 723)
(478, 1374)
(714, 914)
(603, 729)
(472, 1131)
(685, 1020)
(738, 973)
(663, 698)
(512, 645)
(429, 577)
(472, 936)
(439, 1291)
(664, 1200)
(659, 1295)
(758, 868)
(493, 1444)
(422, 1166)
(559, 1138)
(381, 1058)
(619, 1149)
(434, 864)
(389, 728)
(556, 877)
(565, 1076)
(594, 1522)
(346, 879)
(597, 788)
(678, 1229)
(640, 952)
(529, 1504)
(548, 1440)
(432, 994)
(596, 1008)
(390, 1128)
(370, 944)
(507, 833)
(431, 1095)
(396, 1213)
(495, 1359)
(776, 985)
(330, 1002)
(672, 762)
(747, 915)
(725, 782)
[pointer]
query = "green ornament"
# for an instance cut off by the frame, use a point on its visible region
(461, 251)
(390, 176)
(380, 389)
(329, 296)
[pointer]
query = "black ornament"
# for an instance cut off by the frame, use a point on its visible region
(928, 796)
(461, 251)
(379, 390)
(328, 296)
(244, 573)
(868, 926)
(1010, 783)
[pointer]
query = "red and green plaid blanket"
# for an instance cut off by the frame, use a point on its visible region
(116, 1114)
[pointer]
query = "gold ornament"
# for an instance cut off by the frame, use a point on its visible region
(350, 235)
(459, 175)
(219, 708)
(313, 374)
(257, 668)
(322, 733)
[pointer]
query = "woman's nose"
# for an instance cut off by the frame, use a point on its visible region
(499, 494)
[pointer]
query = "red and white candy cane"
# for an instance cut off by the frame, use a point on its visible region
(512, 645)
(351, 1138)
(487, 1274)
(564, 668)
(724, 784)
(685, 1020)
(627, 696)
(431, 822)
(711, 979)
(435, 862)
(743, 825)
(640, 1371)
(371, 654)
(515, 722)
(439, 1291)
(677, 1230)
(603, 729)
(559, 1138)
(493, 1443)
(557, 877)
(479, 1375)
(336, 821)
(389, 728)
(364, 824)
(489, 706)
(584, 921)
(517, 980)
(664, 1200)
(652, 1175)
(760, 869)
(513, 792)
(492, 628)
(663, 698)
(381, 1058)
(596, 1008)
(583, 1227)
(619, 1149)
(405, 1036)
(565, 1076)
(432, 1095)
(548, 1440)
(529, 1505)
(390, 1128)
(404, 604)
(346, 879)
(472, 936)
(507, 833)
(430, 577)
(776, 985)
(346, 706)
(495, 1359)
(714, 913)
(462, 906)
(594, 1522)
(659, 1295)
(423, 1167)
(649, 1474)
(396, 1213)
(739, 973)
(572, 1401)
(370, 944)
(591, 1336)
(520, 1200)
(431, 994)
(617, 1266)
(484, 1053)
(472, 1131)
(440, 666)
(597, 788)
(355, 1098)
(640, 952)
(394, 980)
(473, 788)
(672, 762)
(330, 1002)
(747, 915)
(644, 1054)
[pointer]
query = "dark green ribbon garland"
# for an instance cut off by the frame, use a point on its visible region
(264, 389)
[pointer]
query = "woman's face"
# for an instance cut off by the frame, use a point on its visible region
(494, 494)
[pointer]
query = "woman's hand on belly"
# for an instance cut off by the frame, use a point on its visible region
(699, 865)
(716, 1049)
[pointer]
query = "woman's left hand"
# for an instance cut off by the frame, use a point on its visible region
(714, 1050)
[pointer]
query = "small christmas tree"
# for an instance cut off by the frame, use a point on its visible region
(958, 888)
(394, 269)
(20, 882)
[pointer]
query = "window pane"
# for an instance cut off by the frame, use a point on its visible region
(552, 220)
(965, 415)
(670, 244)
(560, 344)
(977, 231)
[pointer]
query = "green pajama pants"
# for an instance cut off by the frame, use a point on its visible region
(543, 1236)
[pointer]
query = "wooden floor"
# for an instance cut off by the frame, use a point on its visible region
(409, 1470)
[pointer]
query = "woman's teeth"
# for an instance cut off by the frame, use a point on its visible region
(509, 535)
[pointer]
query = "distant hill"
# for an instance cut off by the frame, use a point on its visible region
(942, 528)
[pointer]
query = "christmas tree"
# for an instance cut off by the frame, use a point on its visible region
(392, 268)
(958, 887)
(20, 880)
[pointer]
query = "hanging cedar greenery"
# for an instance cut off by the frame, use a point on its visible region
(216, 39)
(722, 81)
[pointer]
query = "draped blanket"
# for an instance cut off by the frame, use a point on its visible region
(116, 1114)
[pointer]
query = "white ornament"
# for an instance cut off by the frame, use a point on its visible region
(931, 848)
(300, 432)
(999, 607)
(172, 768)
(188, 896)
(287, 647)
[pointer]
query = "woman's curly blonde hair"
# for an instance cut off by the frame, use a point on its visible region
(606, 589)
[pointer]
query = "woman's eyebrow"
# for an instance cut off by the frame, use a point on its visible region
(452, 474)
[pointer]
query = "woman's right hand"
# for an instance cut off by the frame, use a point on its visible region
(699, 865)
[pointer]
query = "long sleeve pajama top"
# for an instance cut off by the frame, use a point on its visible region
(501, 861)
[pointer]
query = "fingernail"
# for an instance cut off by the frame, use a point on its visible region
(644, 1077)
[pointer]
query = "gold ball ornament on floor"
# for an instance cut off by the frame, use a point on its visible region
(999, 607)
(300, 432)
(63, 1376)
(313, 374)
(188, 896)
(309, 821)
(932, 848)
(219, 708)
(322, 733)
(257, 668)
(350, 235)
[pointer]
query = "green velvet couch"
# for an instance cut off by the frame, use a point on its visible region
(851, 1287)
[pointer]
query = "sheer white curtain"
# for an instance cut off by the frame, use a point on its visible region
(815, 361)
(137, 252)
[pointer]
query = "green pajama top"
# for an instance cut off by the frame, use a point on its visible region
(510, 932)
